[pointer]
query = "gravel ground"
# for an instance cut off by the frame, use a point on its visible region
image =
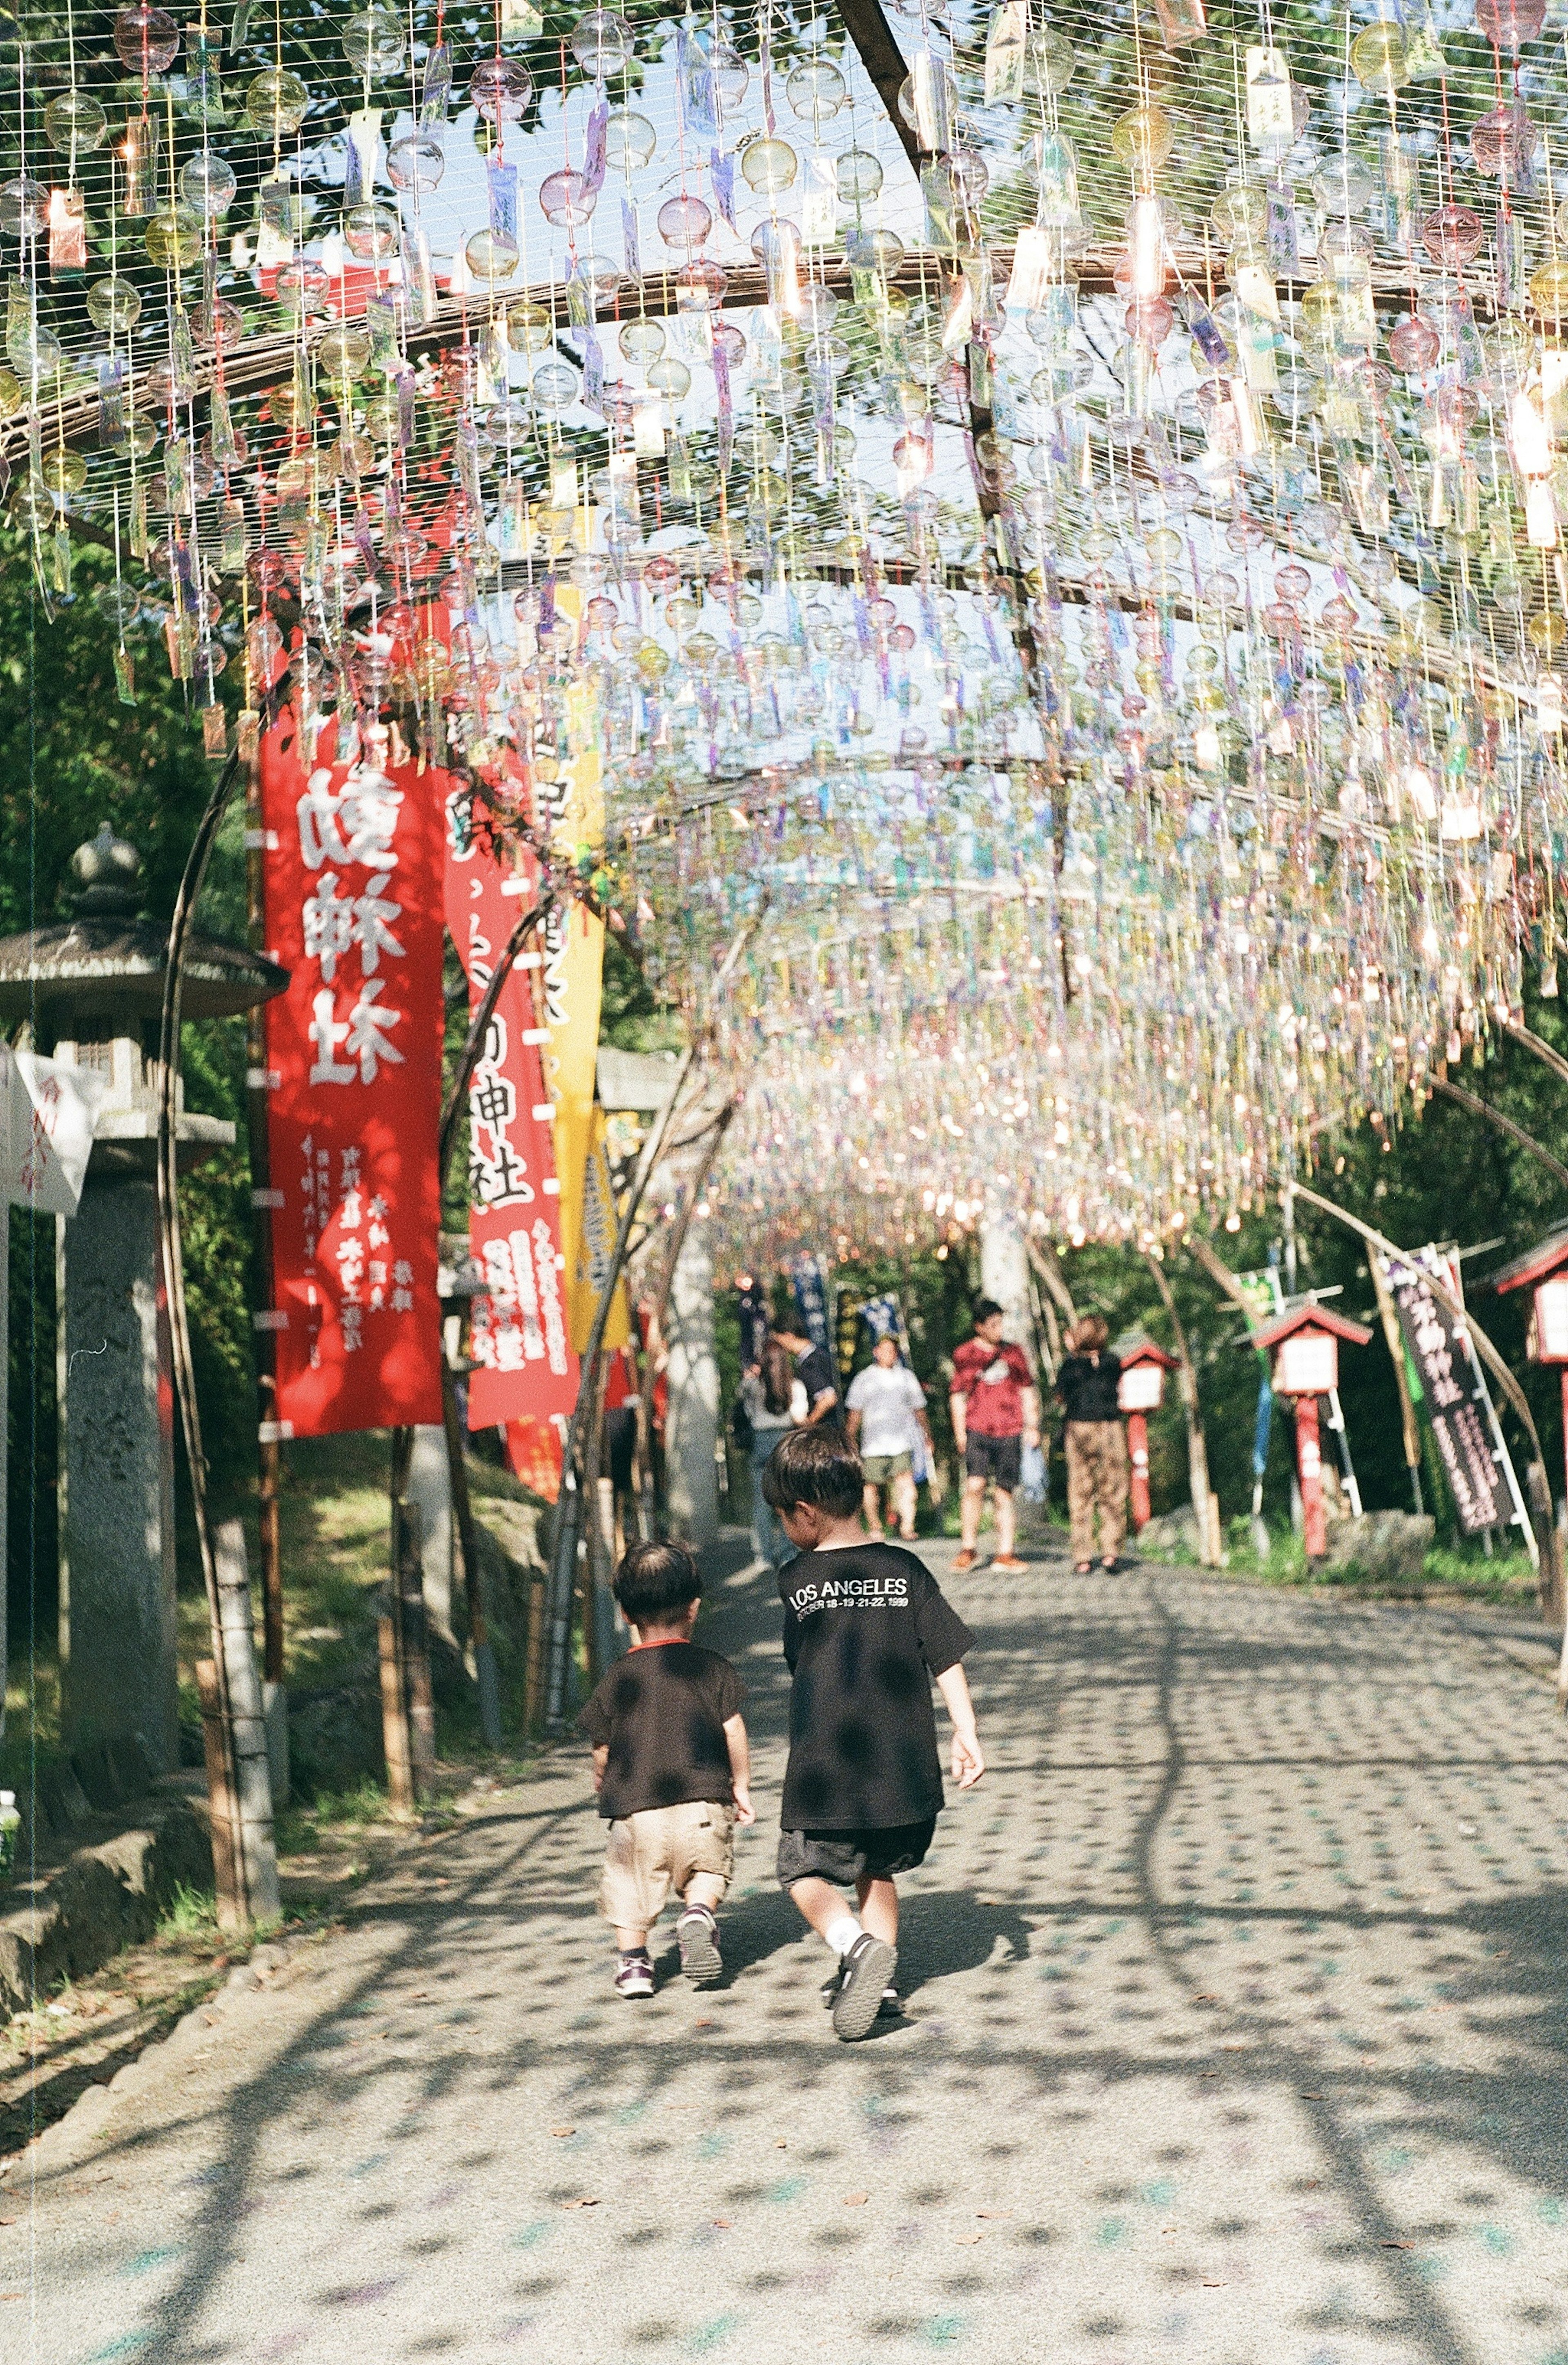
(1236, 2030)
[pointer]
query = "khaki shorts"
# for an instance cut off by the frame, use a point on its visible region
(881, 1469)
(651, 1854)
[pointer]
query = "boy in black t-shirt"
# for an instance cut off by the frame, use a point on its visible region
(866, 1628)
(672, 1769)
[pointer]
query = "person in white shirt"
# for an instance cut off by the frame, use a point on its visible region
(886, 1405)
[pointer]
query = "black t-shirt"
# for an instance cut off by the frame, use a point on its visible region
(865, 1630)
(1088, 1387)
(662, 1712)
(816, 1375)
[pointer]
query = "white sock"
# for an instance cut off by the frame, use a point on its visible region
(842, 1931)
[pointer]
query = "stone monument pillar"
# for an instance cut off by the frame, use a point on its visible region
(692, 1426)
(117, 1474)
(93, 991)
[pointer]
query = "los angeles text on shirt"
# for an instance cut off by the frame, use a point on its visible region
(851, 1593)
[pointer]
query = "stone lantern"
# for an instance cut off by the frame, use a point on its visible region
(91, 992)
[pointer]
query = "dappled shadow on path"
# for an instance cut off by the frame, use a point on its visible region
(1257, 1899)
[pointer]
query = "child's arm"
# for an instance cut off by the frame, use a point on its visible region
(600, 1759)
(968, 1763)
(740, 1768)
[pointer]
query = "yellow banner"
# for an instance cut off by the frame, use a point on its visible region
(596, 1247)
(574, 971)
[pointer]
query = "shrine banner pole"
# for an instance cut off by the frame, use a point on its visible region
(563, 1559)
(251, 1857)
(485, 1677)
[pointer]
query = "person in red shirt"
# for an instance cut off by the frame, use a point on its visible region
(995, 1413)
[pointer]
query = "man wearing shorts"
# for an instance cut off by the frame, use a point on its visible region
(886, 1405)
(996, 1413)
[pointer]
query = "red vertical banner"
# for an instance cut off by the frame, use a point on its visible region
(352, 855)
(525, 1370)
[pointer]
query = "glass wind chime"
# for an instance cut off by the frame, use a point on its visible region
(1087, 548)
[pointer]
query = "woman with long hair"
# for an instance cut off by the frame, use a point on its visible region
(768, 1394)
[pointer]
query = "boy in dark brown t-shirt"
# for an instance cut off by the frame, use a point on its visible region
(672, 1769)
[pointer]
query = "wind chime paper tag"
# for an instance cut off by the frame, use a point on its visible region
(1031, 270)
(525, 1367)
(819, 203)
(1271, 121)
(1004, 51)
(48, 1112)
(595, 150)
(352, 854)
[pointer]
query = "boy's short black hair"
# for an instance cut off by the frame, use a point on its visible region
(984, 1308)
(817, 1467)
(655, 1582)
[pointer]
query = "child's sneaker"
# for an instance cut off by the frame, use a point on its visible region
(891, 2007)
(698, 1936)
(634, 1977)
(866, 1971)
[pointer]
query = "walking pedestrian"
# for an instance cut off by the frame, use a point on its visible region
(814, 1369)
(1096, 1446)
(866, 1631)
(996, 1412)
(672, 1768)
(886, 1405)
(768, 1394)
(620, 1391)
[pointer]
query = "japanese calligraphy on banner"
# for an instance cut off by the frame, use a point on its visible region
(1451, 1392)
(525, 1363)
(353, 1060)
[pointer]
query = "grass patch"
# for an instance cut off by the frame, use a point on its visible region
(1451, 1572)
(191, 1914)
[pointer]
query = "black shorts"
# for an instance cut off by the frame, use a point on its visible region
(997, 1458)
(844, 1857)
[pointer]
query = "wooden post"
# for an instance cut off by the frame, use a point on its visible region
(395, 1736)
(533, 1672)
(485, 1675)
(1309, 1470)
(263, 1199)
(220, 1799)
(409, 1573)
(1137, 1454)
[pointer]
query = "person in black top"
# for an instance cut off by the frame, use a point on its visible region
(1096, 1448)
(672, 1769)
(866, 1630)
(814, 1369)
